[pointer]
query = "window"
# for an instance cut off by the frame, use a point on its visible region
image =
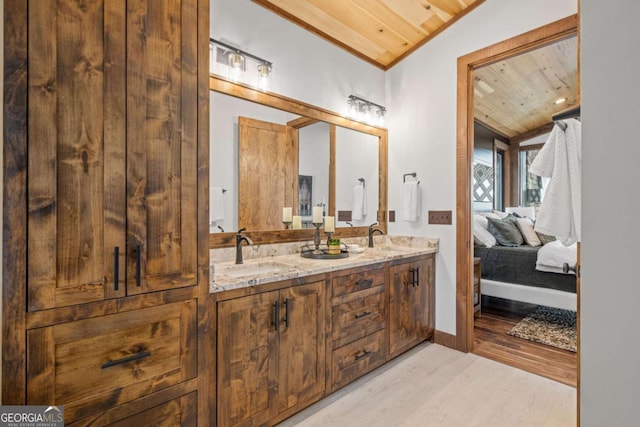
(531, 186)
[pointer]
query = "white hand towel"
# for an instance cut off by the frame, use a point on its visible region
(359, 210)
(410, 201)
(216, 204)
(560, 159)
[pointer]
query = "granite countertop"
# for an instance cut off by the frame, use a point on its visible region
(226, 275)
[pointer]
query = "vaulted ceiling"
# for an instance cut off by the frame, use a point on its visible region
(514, 97)
(381, 32)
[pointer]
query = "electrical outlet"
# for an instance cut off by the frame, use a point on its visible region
(392, 216)
(439, 217)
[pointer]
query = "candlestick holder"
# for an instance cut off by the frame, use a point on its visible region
(316, 239)
(287, 224)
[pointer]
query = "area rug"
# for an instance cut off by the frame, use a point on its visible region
(550, 326)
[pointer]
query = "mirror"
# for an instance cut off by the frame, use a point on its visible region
(330, 150)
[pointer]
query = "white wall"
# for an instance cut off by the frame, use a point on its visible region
(421, 118)
(356, 157)
(306, 67)
(610, 286)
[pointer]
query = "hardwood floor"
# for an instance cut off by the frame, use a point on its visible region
(491, 341)
(435, 386)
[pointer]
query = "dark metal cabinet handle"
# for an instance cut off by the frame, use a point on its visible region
(286, 312)
(132, 358)
(418, 276)
(413, 277)
(138, 256)
(276, 315)
(363, 314)
(364, 282)
(362, 354)
(116, 267)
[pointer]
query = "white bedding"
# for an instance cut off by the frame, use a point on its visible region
(553, 255)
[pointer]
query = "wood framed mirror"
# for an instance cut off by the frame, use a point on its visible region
(301, 119)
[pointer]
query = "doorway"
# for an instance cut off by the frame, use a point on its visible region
(546, 35)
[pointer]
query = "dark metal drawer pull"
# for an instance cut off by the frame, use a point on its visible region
(286, 312)
(362, 354)
(276, 315)
(127, 359)
(116, 267)
(138, 256)
(364, 282)
(363, 314)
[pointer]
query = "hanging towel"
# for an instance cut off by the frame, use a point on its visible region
(410, 201)
(560, 160)
(359, 210)
(216, 204)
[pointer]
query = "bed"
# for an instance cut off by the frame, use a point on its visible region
(510, 273)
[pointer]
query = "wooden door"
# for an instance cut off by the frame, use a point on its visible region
(76, 144)
(410, 295)
(302, 364)
(162, 130)
(268, 164)
(247, 360)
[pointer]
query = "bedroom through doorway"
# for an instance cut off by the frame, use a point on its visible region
(517, 309)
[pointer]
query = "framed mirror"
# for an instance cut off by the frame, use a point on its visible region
(269, 152)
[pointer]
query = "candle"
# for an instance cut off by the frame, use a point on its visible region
(297, 222)
(286, 214)
(317, 215)
(329, 224)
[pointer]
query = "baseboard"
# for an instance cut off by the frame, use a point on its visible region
(444, 339)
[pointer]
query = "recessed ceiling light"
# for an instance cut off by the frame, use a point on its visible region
(560, 101)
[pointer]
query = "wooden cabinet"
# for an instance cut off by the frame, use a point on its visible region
(106, 257)
(271, 353)
(411, 299)
(112, 184)
(180, 411)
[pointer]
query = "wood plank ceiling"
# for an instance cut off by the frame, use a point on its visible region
(381, 32)
(516, 96)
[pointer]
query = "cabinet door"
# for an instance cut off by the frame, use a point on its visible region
(76, 143)
(247, 360)
(302, 365)
(161, 145)
(410, 317)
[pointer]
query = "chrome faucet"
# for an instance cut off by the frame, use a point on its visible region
(372, 231)
(239, 239)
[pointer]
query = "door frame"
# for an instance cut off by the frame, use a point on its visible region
(558, 30)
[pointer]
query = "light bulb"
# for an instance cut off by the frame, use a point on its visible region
(236, 66)
(264, 73)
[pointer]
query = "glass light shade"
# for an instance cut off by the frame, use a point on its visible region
(264, 77)
(236, 66)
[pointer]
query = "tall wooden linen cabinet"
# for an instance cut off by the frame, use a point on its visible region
(105, 256)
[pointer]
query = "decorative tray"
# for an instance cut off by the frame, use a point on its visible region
(308, 251)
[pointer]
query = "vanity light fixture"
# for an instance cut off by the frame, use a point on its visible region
(236, 61)
(366, 111)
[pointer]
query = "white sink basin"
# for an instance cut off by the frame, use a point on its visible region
(244, 270)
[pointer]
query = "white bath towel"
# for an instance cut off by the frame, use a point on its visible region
(410, 201)
(216, 204)
(359, 210)
(553, 255)
(560, 160)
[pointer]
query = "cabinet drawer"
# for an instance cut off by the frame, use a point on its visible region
(355, 359)
(359, 317)
(95, 364)
(358, 281)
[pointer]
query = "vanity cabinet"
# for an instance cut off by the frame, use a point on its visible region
(411, 302)
(106, 257)
(271, 353)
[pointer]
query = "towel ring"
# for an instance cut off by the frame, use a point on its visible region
(362, 181)
(404, 177)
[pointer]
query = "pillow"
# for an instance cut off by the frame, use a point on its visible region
(505, 231)
(482, 236)
(500, 214)
(480, 220)
(545, 238)
(528, 233)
